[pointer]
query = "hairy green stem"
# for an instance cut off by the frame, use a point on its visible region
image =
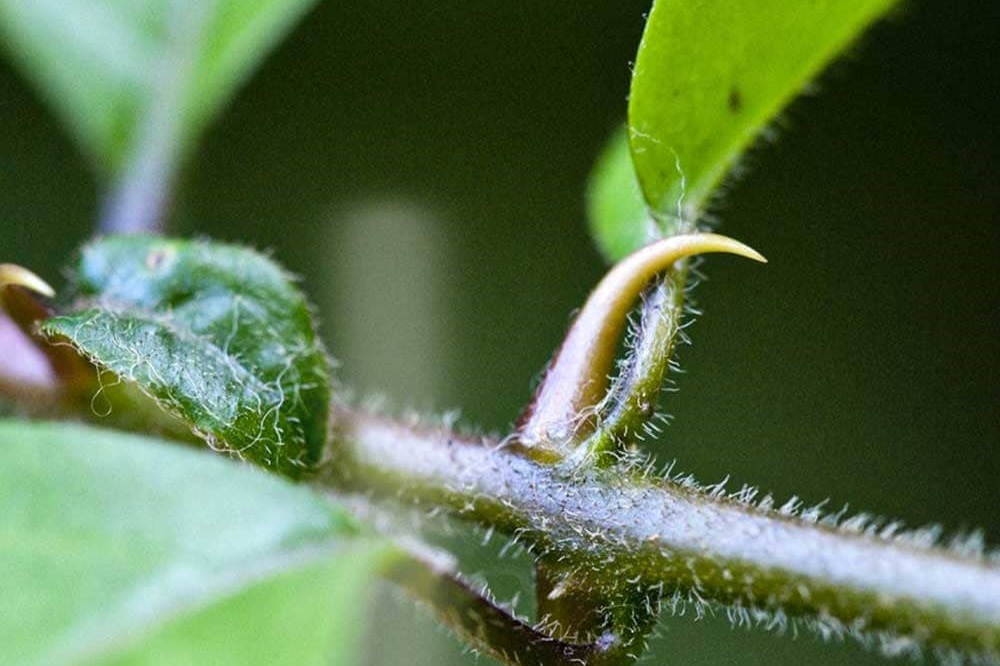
(636, 392)
(622, 528)
(626, 417)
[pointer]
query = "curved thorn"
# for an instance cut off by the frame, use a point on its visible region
(23, 310)
(27, 373)
(577, 378)
(14, 275)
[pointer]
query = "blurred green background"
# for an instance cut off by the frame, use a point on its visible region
(422, 166)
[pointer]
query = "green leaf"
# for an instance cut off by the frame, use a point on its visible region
(619, 219)
(711, 74)
(216, 334)
(617, 213)
(106, 65)
(121, 549)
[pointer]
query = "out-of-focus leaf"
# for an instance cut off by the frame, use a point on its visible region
(620, 221)
(617, 213)
(127, 550)
(711, 73)
(217, 335)
(104, 64)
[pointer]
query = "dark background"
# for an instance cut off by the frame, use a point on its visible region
(422, 166)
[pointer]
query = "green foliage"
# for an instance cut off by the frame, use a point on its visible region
(105, 66)
(218, 335)
(708, 77)
(616, 211)
(125, 550)
(120, 549)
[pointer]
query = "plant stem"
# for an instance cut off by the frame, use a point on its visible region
(492, 629)
(139, 199)
(636, 392)
(575, 382)
(632, 401)
(138, 202)
(621, 527)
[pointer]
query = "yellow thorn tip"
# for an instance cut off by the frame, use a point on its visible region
(703, 243)
(14, 275)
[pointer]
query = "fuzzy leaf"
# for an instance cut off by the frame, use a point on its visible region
(125, 550)
(711, 74)
(216, 334)
(103, 64)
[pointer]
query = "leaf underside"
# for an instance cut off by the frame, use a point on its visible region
(217, 335)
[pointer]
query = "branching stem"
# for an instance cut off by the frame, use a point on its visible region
(636, 392)
(494, 631)
(576, 380)
(620, 526)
